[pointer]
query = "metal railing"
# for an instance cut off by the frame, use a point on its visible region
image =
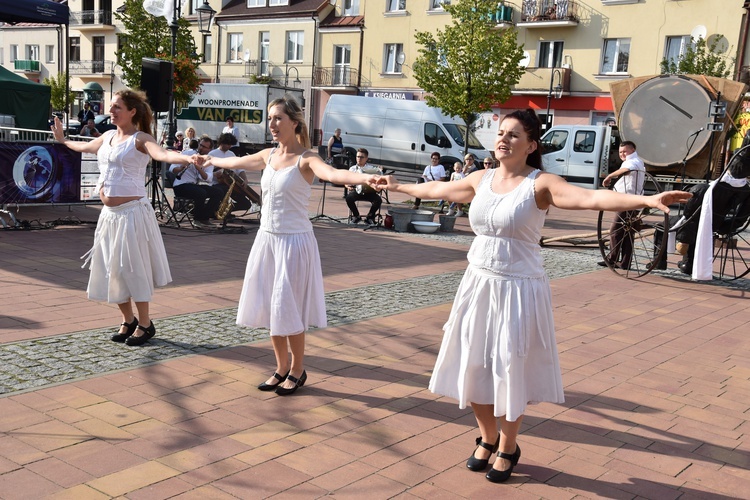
(90, 67)
(91, 17)
(335, 77)
(549, 10)
(26, 65)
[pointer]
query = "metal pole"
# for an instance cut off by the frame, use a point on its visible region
(171, 116)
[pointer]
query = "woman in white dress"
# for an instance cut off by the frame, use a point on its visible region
(283, 288)
(128, 258)
(498, 353)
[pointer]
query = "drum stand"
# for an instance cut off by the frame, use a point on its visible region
(322, 214)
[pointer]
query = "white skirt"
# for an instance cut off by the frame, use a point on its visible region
(499, 345)
(283, 287)
(128, 259)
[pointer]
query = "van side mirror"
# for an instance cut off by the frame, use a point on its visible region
(443, 142)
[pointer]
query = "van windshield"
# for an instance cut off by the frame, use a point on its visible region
(458, 132)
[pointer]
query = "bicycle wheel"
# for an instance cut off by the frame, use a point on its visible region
(640, 230)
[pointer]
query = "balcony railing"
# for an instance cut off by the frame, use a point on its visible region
(537, 80)
(90, 67)
(27, 65)
(335, 77)
(91, 17)
(549, 10)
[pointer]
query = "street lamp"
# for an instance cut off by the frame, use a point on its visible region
(286, 75)
(205, 19)
(558, 90)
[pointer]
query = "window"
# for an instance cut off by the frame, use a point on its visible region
(396, 5)
(615, 55)
(13, 52)
(264, 51)
(207, 48)
(554, 141)
(256, 3)
(434, 135)
(438, 4)
(234, 47)
(74, 46)
(32, 52)
(351, 7)
(675, 47)
(584, 141)
(97, 54)
(295, 42)
(49, 53)
(550, 54)
(274, 3)
(341, 61)
(390, 57)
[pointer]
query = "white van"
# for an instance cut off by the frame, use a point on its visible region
(398, 134)
(581, 154)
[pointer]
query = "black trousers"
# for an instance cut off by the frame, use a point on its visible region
(199, 193)
(373, 197)
(621, 239)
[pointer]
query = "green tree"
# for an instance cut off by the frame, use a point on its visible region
(468, 66)
(57, 92)
(700, 58)
(150, 36)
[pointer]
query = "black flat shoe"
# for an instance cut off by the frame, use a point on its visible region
(270, 387)
(120, 337)
(147, 334)
(298, 382)
(500, 476)
(478, 465)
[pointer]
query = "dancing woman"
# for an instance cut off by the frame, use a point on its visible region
(127, 260)
(498, 353)
(283, 288)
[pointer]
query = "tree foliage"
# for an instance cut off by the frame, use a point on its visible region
(150, 36)
(700, 58)
(468, 66)
(57, 92)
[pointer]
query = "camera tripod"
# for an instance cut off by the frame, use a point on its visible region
(159, 201)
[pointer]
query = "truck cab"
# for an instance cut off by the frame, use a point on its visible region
(581, 154)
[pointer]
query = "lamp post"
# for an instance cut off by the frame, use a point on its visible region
(286, 75)
(205, 19)
(558, 90)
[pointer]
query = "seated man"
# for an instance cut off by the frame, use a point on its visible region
(187, 184)
(221, 180)
(361, 192)
(89, 130)
(732, 185)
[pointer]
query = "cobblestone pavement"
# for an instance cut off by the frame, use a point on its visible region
(41, 362)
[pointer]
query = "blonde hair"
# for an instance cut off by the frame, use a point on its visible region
(293, 110)
(188, 130)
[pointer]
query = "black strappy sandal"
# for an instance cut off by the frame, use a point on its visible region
(121, 337)
(298, 382)
(269, 387)
(477, 464)
(148, 332)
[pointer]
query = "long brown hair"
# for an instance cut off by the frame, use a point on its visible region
(136, 99)
(293, 110)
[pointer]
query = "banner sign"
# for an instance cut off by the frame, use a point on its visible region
(39, 173)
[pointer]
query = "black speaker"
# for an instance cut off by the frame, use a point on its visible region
(156, 81)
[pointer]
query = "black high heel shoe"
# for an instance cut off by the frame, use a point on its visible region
(477, 464)
(147, 334)
(298, 382)
(269, 387)
(500, 476)
(121, 337)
